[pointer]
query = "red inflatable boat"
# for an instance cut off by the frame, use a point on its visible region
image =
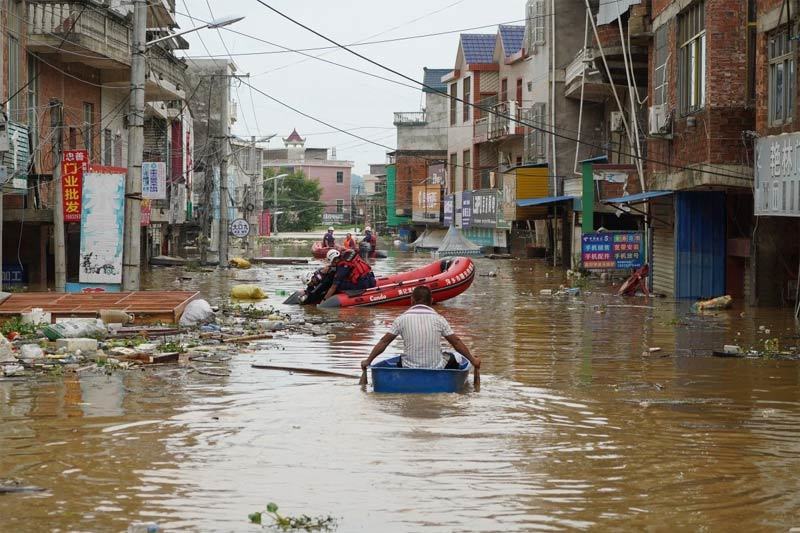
(446, 279)
(321, 252)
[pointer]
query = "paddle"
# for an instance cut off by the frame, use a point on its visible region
(306, 370)
(363, 380)
(477, 383)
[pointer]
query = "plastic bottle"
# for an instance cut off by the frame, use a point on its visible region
(143, 527)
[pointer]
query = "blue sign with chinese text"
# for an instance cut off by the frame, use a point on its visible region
(615, 250)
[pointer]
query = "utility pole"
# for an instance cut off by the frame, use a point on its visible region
(254, 196)
(224, 221)
(275, 207)
(57, 123)
(131, 252)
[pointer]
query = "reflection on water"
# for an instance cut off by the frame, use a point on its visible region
(578, 424)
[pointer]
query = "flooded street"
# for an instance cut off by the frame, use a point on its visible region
(578, 424)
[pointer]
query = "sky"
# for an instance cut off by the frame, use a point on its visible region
(345, 99)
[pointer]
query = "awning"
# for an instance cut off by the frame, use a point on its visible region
(530, 202)
(636, 198)
(610, 11)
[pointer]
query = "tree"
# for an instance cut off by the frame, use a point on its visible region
(298, 200)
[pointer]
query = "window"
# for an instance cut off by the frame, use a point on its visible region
(692, 57)
(467, 98)
(781, 78)
(340, 206)
(535, 23)
(88, 127)
(13, 79)
(504, 90)
(535, 145)
(108, 149)
(453, 102)
(660, 70)
(73, 138)
(519, 91)
(466, 181)
(452, 172)
(339, 177)
(33, 91)
(118, 150)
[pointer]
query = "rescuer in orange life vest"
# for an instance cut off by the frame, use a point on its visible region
(349, 242)
(352, 272)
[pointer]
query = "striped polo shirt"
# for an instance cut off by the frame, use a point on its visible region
(422, 330)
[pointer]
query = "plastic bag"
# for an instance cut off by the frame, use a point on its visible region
(239, 262)
(31, 352)
(247, 292)
(6, 351)
(197, 312)
(90, 329)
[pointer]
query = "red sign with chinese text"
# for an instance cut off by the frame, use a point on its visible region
(73, 164)
(147, 211)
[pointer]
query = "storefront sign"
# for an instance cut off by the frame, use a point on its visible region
(485, 204)
(426, 203)
(146, 210)
(617, 250)
(73, 165)
(449, 210)
(154, 181)
(240, 228)
(102, 224)
(777, 176)
(466, 209)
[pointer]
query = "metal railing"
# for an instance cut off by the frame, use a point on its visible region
(480, 130)
(583, 59)
(410, 118)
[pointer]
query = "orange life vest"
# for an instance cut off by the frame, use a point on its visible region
(350, 243)
(358, 268)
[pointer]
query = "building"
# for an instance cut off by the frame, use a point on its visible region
(421, 140)
(246, 170)
(67, 77)
(369, 203)
(333, 175)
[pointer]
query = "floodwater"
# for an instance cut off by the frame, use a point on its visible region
(578, 425)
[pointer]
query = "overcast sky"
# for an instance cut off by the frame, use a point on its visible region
(345, 99)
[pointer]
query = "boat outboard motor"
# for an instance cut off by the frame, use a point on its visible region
(364, 249)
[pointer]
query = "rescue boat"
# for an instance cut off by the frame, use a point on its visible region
(321, 252)
(446, 278)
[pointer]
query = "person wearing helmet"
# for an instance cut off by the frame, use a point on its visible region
(352, 272)
(369, 244)
(349, 242)
(327, 240)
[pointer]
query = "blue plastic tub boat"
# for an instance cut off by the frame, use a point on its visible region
(388, 377)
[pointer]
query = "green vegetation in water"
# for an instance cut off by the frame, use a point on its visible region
(171, 347)
(133, 342)
(16, 324)
(293, 523)
(248, 311)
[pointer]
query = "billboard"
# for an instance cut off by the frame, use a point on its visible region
(73, 165)
(449, 210)
(102, 225)
(486, 208)
(154, 181)
(777, 176)
(466, 209)
(612, 250)
(426, 203)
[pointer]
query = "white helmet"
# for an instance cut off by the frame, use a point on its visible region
(332, 254)
(330, 228)
(368, 228)
(307, 277)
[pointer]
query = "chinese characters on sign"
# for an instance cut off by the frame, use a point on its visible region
(154, 181)
(777, 175)
(466, 209)
(619, 250)
(73, 164)
(240, 228)
(484, 208)
(147, 212)
(426, 205)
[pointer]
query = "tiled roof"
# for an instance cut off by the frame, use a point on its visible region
(294, 137)
(433, 79)
(512, 36)
(478, 47)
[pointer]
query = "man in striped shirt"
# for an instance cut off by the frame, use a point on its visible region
(422, 329)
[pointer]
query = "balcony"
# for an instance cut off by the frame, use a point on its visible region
(100, 39)
(412, 118)
(480, 130)
(501, 125)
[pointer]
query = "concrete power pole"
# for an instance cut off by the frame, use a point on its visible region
(131, 252)
(56, 123)
(224, 221)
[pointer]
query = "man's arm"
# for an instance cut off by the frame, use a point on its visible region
(379, 348)
(461, 348)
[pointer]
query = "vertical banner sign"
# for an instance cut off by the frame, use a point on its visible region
(102, 225)
(484, 208)
(73, 165)
(154, 181)
(147, 210)
(449, 210)
(466, 209)
(618, 250)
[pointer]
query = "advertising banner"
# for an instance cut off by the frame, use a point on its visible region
(102, 224)
(485, 205)
(777, 176)
(466, 209)
(448, 218)
(426, 203)
(147, 211)
(614, 250)
(154, 181)
(73, 165)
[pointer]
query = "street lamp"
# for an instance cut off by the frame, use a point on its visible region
(131, 253)
(275, 199)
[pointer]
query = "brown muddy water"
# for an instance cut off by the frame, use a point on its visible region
(577, 425)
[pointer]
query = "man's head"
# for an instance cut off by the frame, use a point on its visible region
(332, 256)
(330, 230)
(422, 296)
(367, 230)
(349, 235)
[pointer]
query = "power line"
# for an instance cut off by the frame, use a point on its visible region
(479, 107)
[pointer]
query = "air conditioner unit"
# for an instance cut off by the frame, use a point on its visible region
(617, 121)
(659, 124)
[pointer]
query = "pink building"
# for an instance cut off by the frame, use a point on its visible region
(333, 176)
